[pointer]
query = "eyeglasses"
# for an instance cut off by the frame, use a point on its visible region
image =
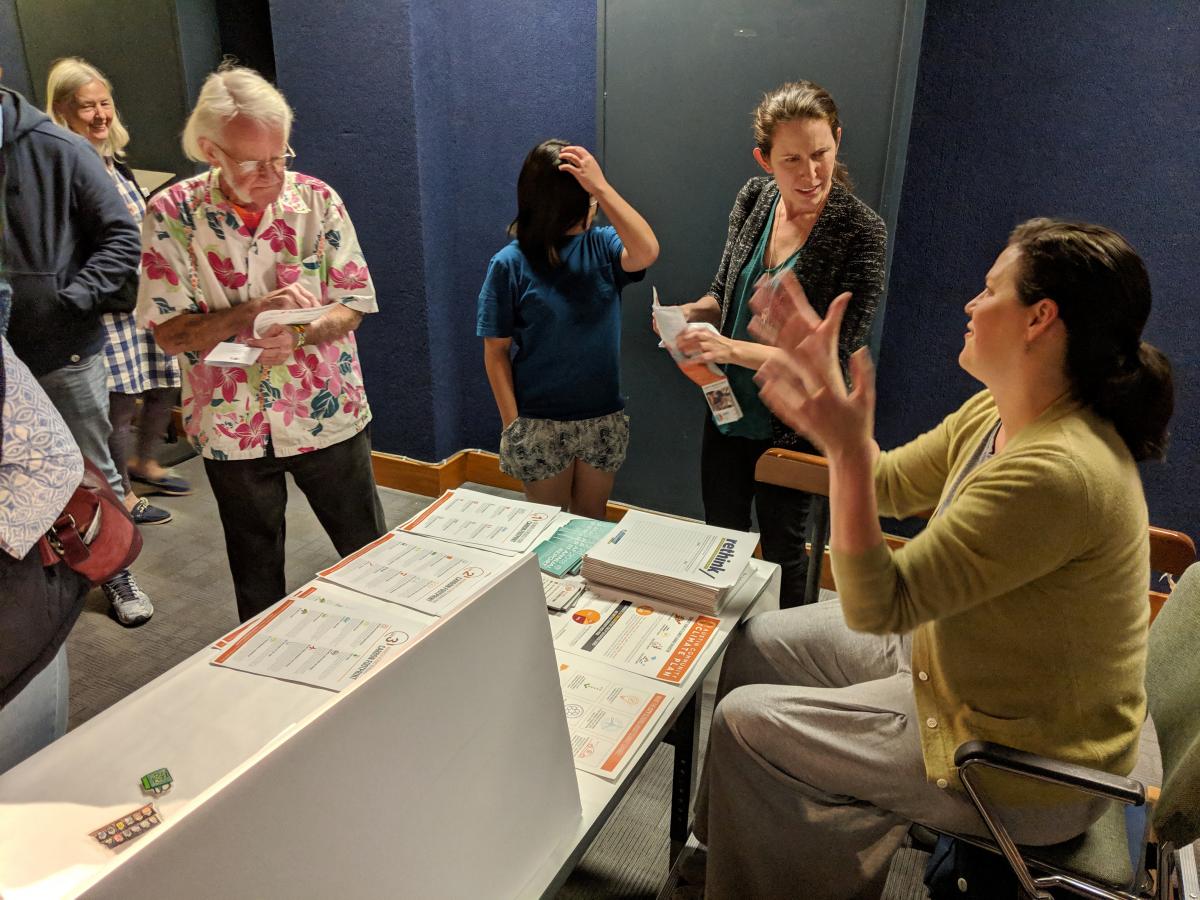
(248, 167)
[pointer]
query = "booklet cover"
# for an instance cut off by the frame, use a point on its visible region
(658, 556)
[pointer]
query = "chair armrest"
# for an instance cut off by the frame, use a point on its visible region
(795, 470)
(1021, 762)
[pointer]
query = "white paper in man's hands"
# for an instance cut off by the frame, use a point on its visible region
(717, 392)
(230, 354)
(298, 315)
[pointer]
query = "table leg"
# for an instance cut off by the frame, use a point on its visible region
(686, 739)
(819, 521)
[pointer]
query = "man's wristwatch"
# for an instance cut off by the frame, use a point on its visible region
(301, 331)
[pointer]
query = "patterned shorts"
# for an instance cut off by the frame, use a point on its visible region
(537, 449)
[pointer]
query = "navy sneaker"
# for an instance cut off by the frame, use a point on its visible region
(145, 514)
(168, 485)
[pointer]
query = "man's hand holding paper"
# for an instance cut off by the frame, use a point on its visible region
(281, 308)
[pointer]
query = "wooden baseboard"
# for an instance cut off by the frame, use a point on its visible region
(403, 473)
(432, 479)
(415, 476)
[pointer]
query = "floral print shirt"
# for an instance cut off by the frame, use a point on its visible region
(317, 398)
(40, 465)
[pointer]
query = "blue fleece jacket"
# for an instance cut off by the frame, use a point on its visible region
(68, 241)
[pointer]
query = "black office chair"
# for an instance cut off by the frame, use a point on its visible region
(1126, 854)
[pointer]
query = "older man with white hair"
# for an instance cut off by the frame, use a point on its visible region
(247, 236)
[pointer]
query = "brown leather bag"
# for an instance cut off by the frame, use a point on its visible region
(94, 535)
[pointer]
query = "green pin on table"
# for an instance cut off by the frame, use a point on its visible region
(157, 782)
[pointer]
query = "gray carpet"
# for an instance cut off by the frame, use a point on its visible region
(183, 569)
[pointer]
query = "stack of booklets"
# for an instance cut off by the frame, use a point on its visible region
(689, 564)
(562, 553)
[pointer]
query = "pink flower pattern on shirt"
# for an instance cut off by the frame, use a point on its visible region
(354, 398)
(292, 403)
(203, 381)
(316, 398)
(286, 273)
(350, 278)
(315, 371)
(248, 434)
(224, 271)
(281, 236)
(157, 267)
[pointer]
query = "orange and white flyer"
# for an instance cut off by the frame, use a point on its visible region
(717, 392)
(635, 634)
(310, 639)
(610, 714)
(474, 519)
(421, 573)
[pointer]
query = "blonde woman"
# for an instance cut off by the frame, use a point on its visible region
(79, 98)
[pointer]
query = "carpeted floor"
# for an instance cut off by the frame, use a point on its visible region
(183, 569)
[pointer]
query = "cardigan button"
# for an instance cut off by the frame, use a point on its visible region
(924, 676)
(74, 357)
(962, 885)
(943, 783)
(931, 722)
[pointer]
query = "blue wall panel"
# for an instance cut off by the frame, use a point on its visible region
(346, 68)
(419, 113)
(1076, 109)
(491, 80)
(12, 51)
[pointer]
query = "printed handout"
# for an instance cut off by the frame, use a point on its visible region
(230, 354)
(561, 592)
(717, 392)
(570, 537)
(300, 315)
(610, 714)
(634, 634)
(310, 639)
(421, 573)
(480, 520)
(687, 563)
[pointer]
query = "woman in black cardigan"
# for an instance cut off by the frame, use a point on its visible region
(801, 216)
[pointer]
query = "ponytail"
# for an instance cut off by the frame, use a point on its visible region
(1102, 290)
(1139, 400)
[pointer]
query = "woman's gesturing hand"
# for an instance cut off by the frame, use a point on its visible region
(802, 380)
(580, 163)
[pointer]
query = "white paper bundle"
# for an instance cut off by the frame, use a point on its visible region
(687, 563)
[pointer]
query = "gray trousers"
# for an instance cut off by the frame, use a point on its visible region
(814, 770)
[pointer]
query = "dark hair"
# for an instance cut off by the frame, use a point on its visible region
(797, 100)
(549, 203)
(1102, 290)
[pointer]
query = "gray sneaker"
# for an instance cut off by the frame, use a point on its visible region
(130, 606)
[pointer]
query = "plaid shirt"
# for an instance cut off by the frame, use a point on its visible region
(135, 362)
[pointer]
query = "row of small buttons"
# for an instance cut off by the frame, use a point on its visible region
(931, 722)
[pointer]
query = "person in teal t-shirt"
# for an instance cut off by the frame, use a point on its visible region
(550, 315)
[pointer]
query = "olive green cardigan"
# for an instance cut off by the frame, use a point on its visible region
(1026, 596)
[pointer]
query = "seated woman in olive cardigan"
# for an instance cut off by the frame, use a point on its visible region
(1018, 615)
